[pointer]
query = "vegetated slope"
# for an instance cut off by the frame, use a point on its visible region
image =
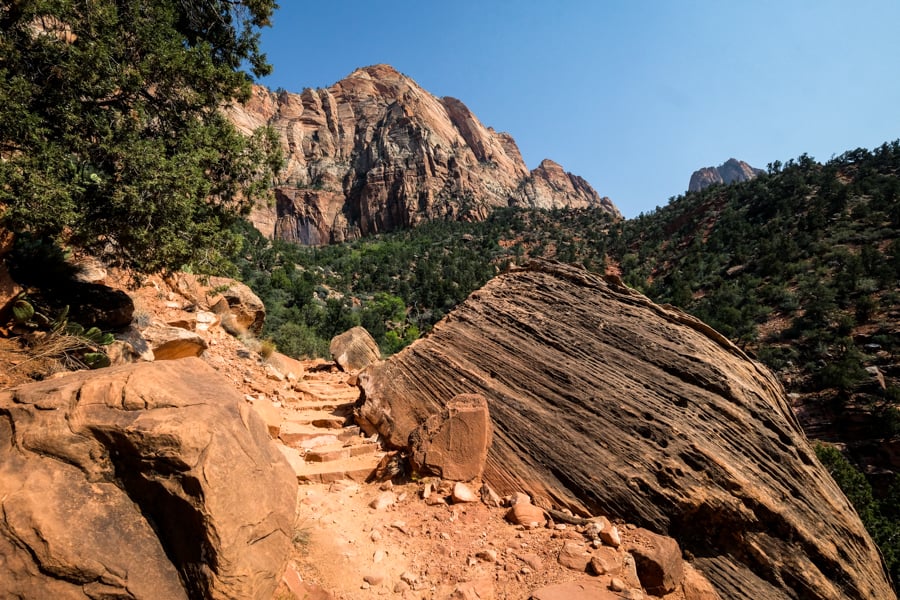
(801, 266)
(375, 152)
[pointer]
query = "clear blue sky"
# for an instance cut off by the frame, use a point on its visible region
(633, 95)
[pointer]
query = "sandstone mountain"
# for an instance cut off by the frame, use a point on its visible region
(731, 171)
(603, 402)
(376, 152)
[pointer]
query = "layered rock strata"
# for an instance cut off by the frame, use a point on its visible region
(376, 152)
(605, 403)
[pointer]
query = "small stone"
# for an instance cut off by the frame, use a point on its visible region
(518, 497)
(401, 587)
(525, 571)
(400, 526)
(490, 497)
(532, 560)
(374, 578)
(573, 556)
(378, 556)
(488, 555)
(386, 486)
(560, 527)
(527, 514)
(617, 585)
(375, 536)
(410, 578)
(426, 491)
(463, 493)
(609, 534)
(383, 501)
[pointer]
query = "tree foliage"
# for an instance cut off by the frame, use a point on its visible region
(111, 130)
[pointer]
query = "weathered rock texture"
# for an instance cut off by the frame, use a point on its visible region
(604, 402)
(375, 152)
(731, 171)
(144, 481)
(354, 349)
(453, 444)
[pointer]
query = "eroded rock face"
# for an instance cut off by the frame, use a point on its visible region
(375, 152)
(731, 171)
(144, 481)
(605, 403)
(453, 443)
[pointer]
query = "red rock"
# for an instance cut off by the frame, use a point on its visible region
(453, 444)
(478, 589)
(354, 349)
(87, 461)
(526, 514)
(575, 590)
(658, 561)
(9, 290)
(574, 556)
(697, 587)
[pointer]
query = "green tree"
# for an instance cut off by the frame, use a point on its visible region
(112, 135)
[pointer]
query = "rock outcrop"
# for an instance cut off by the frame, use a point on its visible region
(354, 349)
(605, 403)
(731, 171)
(453, 444)
(376, 152)
(144, 481)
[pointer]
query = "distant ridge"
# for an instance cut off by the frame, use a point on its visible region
(731, 171)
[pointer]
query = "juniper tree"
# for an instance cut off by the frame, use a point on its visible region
(112, 135)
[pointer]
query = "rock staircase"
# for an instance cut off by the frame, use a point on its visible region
(317, 434)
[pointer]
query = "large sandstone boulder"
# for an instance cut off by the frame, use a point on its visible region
(375, 152)
(354, 349)
(146, 481)
(605, 403)
(244, 309)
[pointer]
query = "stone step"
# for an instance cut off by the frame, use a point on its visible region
(317, 418)
(328, 392)
(357, 468)
(336, 406)
(333, 453)
(307, 436)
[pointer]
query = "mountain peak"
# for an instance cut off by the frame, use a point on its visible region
(731, 171)
(375, 152)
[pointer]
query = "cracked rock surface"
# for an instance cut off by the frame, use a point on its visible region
(151, 480)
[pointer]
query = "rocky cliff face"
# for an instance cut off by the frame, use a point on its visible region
(604, 402)
(731, 171)
(375, 152)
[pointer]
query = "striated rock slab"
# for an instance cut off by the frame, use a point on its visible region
(375, 152)
(605, 403)
(354, 349)
(146, 481)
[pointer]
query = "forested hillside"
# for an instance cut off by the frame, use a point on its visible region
(800, 266)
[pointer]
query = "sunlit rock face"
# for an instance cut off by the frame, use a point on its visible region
(375, 152)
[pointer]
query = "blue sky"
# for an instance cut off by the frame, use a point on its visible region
(633, 95)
